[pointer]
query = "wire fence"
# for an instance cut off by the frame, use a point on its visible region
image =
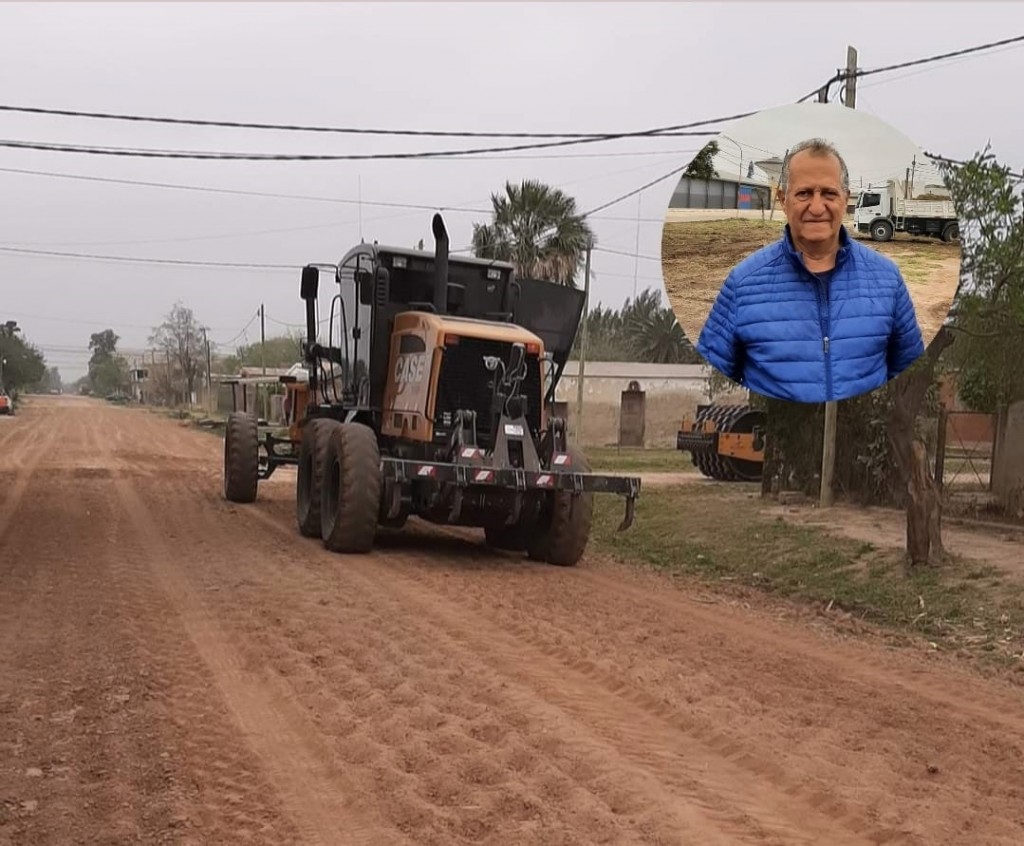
(964, 452)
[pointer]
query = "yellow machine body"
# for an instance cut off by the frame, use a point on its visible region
(418, 340)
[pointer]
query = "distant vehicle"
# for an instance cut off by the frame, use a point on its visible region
(883, 212)
(6, 404)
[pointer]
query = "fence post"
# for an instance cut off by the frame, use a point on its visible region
(940, 448)
(995, 445)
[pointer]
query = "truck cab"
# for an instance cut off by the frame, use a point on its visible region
(883, 212)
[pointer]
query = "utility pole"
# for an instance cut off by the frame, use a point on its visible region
(636, 256)
(828, 451)
(209, 378)
(263, 357)
(583, 347)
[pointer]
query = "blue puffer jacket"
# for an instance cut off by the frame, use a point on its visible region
(779, 331)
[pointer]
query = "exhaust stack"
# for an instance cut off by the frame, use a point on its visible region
(440, 265)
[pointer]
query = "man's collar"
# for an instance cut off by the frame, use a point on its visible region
(845, 244)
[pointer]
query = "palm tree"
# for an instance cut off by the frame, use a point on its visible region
(537, 229)
(654, 333)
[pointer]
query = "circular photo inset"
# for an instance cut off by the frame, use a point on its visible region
(811, 252)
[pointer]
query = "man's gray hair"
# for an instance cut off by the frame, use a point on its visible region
(819, 147)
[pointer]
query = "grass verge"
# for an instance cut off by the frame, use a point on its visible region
(638, 460)
(719, 536)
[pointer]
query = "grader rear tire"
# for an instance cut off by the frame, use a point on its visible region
(312, 455)
(350, 489)
(565, 530)
(241, 458)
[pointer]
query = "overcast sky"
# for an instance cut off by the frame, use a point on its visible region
(516, 67)
(874, 150)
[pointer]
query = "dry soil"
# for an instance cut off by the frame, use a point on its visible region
(177, 669)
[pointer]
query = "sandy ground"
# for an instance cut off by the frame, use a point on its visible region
(1002, 548)
(176, 669)
(697, 258)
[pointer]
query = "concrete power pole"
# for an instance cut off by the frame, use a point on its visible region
(583, 348)
(263, 361)
(828, 451)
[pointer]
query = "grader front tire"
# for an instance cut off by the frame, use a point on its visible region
(351, 489)
(241, 458)
(565, 532)
(309, 477)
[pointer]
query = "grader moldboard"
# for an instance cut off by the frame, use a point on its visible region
(725, 442)
(432, 400)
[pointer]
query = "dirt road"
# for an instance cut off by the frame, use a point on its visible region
(175, 669)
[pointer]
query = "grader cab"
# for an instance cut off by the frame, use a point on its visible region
(431, 398)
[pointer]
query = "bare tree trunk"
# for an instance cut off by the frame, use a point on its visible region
(924, 505)
(924, 512)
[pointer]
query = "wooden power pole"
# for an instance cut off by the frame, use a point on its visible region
(209, 376)
(828, 451)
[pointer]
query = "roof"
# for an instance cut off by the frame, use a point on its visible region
(637, 370)
(453, 258)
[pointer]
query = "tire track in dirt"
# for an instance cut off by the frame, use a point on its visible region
(368, 655)
(697, 765)
(372, 582)
(1001, 706)
(306, 778)
(70, 684)
(23, 458)
(1001, 709)
(100, 696)
(736, 737)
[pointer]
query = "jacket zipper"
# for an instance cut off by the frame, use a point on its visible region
(825, 323)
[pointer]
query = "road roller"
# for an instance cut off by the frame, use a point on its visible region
(725, 442)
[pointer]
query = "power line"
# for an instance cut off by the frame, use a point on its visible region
(681, 129)
(636, 191)
(131, 259)
(461, 207)
(843, 74)
(572, 137)
(936, 58)
(282, 127)
(598, 249)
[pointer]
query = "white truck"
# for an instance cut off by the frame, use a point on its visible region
(883, 212)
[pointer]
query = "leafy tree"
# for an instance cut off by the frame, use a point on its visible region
(180, 336)
(108, 371)
(537, 229)
(702, 166)
(109, 376)
(103, 345)
(50, 381)
(278, 351)
(21, 363)
(988, 316)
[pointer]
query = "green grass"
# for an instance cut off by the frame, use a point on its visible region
(637, 460)
(722, 537)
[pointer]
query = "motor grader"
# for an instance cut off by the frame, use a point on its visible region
(725, 441)
(431, 397)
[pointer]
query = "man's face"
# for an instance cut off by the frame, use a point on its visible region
(815, 201)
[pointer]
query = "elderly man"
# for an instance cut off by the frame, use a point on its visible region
(815, 316)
